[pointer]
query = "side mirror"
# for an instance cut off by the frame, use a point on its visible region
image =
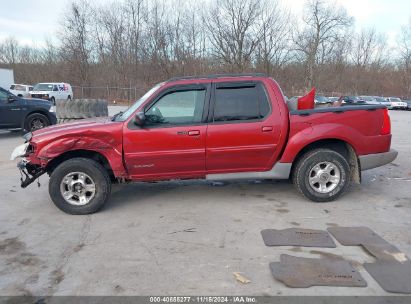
(139, 119)
(11, 98)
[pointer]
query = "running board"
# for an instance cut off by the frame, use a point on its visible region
(279, 171)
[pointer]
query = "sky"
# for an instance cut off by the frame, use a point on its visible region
(31, 22)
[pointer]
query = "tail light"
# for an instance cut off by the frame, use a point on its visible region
(386, 123)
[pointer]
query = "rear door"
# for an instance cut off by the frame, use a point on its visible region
(242, 134)
(172, 141)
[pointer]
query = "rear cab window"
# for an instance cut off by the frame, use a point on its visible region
(240, 102)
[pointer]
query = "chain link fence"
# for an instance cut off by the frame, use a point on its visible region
(114, 95)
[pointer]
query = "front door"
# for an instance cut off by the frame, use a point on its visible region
(172, 141)
(10, 110)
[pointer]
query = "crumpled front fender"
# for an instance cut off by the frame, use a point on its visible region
(107, 147)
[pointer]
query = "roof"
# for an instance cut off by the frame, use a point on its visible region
(216, 76)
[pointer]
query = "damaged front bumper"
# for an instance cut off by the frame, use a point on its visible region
(29, 172)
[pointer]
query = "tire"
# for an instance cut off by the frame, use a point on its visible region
(53, 100)
(69, 98)
(93, 173)
(333, 180)
(36, 121)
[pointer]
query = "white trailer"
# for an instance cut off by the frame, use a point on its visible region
(6, 78)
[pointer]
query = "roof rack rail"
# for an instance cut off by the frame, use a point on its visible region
(215, 76)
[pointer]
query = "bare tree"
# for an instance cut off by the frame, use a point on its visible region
(234, 32)
(76, 47)
(274, 48)
(9, 51)
(404, 43)
(323, 24)
(368, 48)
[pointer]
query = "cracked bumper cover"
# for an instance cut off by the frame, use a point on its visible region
(371, 161)
(29, 172)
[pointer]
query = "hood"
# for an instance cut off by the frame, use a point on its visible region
(37, 102)
(84, 127)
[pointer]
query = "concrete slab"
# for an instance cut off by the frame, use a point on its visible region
(137, 245)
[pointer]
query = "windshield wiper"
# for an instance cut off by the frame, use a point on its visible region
(116, 115)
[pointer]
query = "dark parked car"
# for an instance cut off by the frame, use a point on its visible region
(351, 99)
(408, 104)
(28, 114)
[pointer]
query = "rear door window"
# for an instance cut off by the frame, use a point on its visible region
(240, 102)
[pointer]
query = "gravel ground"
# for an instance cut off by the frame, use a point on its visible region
(187, 238)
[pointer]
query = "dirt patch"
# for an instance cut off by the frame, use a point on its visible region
(57, 276)
(398, 206)
(296, 249)
(332, 224)
(259, 195)
(118, 289)
(281, 204)
(24, 259)
(24, 222)
(78, 247)
(32, 279)
(295, 223)
(282, 210)
(11, 246)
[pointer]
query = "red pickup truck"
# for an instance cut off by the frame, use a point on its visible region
(218, 127)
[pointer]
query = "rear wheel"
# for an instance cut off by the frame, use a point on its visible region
(36, 121)
(53, 100)
(322, 175)
(79, 186)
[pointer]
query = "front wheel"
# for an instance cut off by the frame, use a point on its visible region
(36, 121)
(79, 186)
(322, 175)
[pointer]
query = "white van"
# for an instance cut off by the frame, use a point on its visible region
(52, 91)
(21, 90)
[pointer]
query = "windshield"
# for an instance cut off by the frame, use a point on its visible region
(395, 99)
(19, 87)
(43, 87)
(138, 103)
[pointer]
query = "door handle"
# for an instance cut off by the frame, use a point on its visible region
(267, 129)
(193, 133)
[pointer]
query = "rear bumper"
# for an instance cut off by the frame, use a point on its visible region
(371, 161)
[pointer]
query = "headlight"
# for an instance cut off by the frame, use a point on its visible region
(28, 136)
(52, 109)
(19, 151)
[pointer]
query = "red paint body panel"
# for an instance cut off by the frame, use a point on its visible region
(165, 153)
(193, 151)
(249, 146)
(359, 128)
(99, 135)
